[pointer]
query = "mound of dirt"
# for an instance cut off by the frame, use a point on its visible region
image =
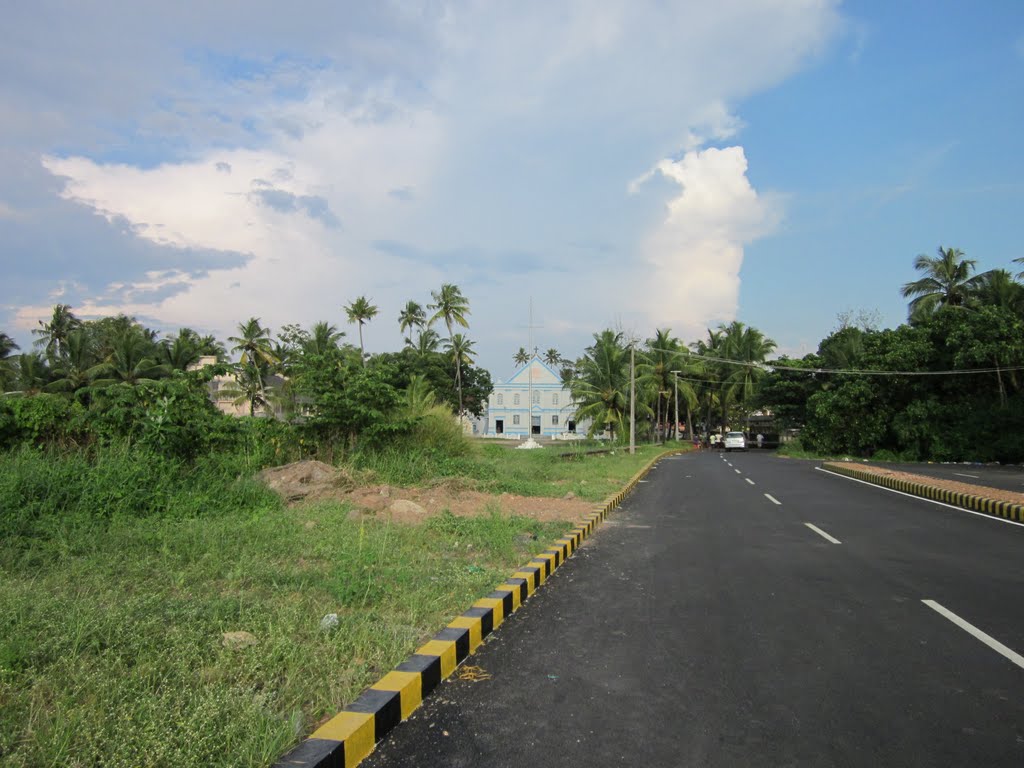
(316, 481)
(306, 481)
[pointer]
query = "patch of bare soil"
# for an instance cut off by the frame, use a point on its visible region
(315, 481)
(949, 485)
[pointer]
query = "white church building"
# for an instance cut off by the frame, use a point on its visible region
(532, 402)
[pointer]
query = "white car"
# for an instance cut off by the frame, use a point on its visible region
(735, 441)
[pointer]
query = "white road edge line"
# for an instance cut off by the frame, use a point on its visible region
(772, 499)
(922, 498)
(749, 480)
(970, 629)
(821, 533)
(961, 474)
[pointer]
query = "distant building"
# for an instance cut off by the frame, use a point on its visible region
(511, 414)
(223, 391)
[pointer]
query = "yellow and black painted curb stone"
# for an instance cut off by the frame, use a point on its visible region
(348, 737)
(977, 502)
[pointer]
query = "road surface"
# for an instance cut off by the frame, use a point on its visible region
(746, 610)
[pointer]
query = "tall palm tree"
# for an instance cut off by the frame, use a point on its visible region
(53, 336)
(323, 338)
(428, 342)
(248, 388)
(712, 391)
(7, 346)
(411, 316)
(73, 370)
(552, 357)
(449, 305)
(30, 373)
(129, 362)
(254, 347)
(361, 311)
(654, 372)
(462, 353)
(749, 347)
(998, 288)
(182, 350)
(600, 387)
(522, 357)
(947, 282)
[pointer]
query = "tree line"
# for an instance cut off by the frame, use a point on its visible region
(112, 377)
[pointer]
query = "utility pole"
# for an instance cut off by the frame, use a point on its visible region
(632, 398)
(675, 380)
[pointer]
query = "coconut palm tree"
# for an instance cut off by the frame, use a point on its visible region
(449, 305)
(73, 370)
(361, 311)
(600, 387)
(323, 338)
(129, 362)
(29, 373)
(53, 336)
(7, 346)
(462, 353)
(248, 388)
(947, 282)
(522, 357)
(428, 342)
(552, 357)
(182, 350)
(254, 347)
(411, 316)
(661, 356)
(750, 348)
(998, 288)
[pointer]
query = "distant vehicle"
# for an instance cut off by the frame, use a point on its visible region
(735, 441)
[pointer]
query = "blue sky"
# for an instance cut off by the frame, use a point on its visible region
(627, 164)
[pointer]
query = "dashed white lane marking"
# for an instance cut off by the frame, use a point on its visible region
(737, 472)
(993, 518)
(749, 480)
(821, 533)
(970, 629)
(961, 474)
(772, 499)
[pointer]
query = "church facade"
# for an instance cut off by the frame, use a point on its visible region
(532, 402)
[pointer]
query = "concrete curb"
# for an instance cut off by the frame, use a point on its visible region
(978, 503)
(351, 735)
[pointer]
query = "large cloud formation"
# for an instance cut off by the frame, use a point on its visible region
(488, 145)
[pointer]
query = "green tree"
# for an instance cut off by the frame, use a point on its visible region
(552, 357)
(53, 335)
(361, 311)
(411, 316)
(749, 348)
(129, 362)
(522, 357)
(600, 387)
(660, 356)
(428, 342)
(182, 350)
(460, 349)
(947, 282)
(452, 307)
(253, 344)
(72, 371)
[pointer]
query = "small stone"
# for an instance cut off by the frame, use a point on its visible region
(329, 622)
(569, 495)
(403, 506)
(235, 640)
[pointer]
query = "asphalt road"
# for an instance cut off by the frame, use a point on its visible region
(707, 625)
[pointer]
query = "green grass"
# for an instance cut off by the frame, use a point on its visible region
(497, 469)
(119, 573)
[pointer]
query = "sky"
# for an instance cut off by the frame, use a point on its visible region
(634, 164)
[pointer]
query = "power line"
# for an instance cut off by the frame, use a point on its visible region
(772, 367)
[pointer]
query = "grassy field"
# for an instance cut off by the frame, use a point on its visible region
(119, 575)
